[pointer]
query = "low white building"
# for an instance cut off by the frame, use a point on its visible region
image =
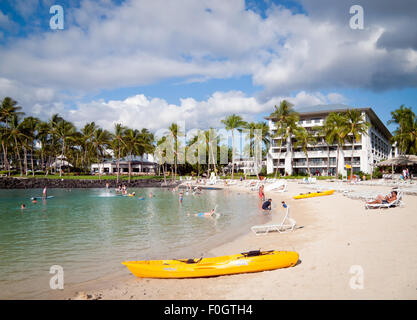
(248, 166)
(370, 149)
(140, 166)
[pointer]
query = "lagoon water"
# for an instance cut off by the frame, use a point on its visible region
(89, 232)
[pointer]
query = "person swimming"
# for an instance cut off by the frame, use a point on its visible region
(22, 206)
(205, 214)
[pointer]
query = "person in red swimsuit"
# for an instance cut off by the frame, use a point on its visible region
(261, 193)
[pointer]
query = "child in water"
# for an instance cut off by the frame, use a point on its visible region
(205, 214)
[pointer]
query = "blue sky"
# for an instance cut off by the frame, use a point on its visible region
(147, 64)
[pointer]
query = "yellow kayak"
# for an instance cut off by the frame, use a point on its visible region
(314, 194)
(252, 261)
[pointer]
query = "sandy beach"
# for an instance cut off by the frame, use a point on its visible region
(346, 252)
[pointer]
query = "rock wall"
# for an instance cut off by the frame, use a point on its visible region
(29, 183)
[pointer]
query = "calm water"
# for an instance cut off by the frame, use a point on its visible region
(90, 231)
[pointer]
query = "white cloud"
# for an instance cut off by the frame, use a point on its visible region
(140, 111)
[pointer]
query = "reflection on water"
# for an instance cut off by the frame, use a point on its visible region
(90, 231)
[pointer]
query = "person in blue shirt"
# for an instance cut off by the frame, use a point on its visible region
(267, 205)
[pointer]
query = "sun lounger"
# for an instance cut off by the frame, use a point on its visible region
(280, 186)
(287, 224)
(395, 203)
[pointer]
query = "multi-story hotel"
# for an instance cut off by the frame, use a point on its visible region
(370, 149)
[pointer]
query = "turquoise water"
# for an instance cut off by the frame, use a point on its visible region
(90, 231)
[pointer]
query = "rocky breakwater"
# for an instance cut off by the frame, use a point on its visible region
(33, 183)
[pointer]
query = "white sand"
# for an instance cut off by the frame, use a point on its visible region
(338, 233)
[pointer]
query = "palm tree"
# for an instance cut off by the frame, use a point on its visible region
(304, 138)
(18, 134)
(326, 131)
(118, 143)
(175, 132)
(286, 120)
(231, 123)
(132, 140)
(8, 109)
(64, 131)
(405, 118)
(5, 138)
(356, 126)
(30, 126)
(338, 134)
(160, 155)
(101, 140)
(43, 138)
(87, 134)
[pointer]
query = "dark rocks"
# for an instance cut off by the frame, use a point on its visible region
(38, 183)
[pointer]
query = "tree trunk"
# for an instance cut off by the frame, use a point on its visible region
(31, 162)
(18, 156)
(337, 162)
(328, 160)
(351, 160)
(130, 167)
(63, 148)
(233, 154)
(118, 165)
(25, 160)
(6, 162)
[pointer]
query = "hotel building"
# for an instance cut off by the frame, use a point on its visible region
(370, 149)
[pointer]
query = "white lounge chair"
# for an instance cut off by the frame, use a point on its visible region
(280, 186)
(395, 203)
(287, 224)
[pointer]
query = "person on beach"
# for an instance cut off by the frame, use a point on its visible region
(267, 205)
(261, 193)
(44, 193)
(392, 196)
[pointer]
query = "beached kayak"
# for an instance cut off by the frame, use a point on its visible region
(314, 194)
(252, 261)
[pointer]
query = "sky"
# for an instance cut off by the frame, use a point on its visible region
(146, 64)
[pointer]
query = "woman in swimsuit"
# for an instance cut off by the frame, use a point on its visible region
(261, 193)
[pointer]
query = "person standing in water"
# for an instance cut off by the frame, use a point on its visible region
(261, 193)
(44, 193)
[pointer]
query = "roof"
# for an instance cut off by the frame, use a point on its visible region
(401, 160)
